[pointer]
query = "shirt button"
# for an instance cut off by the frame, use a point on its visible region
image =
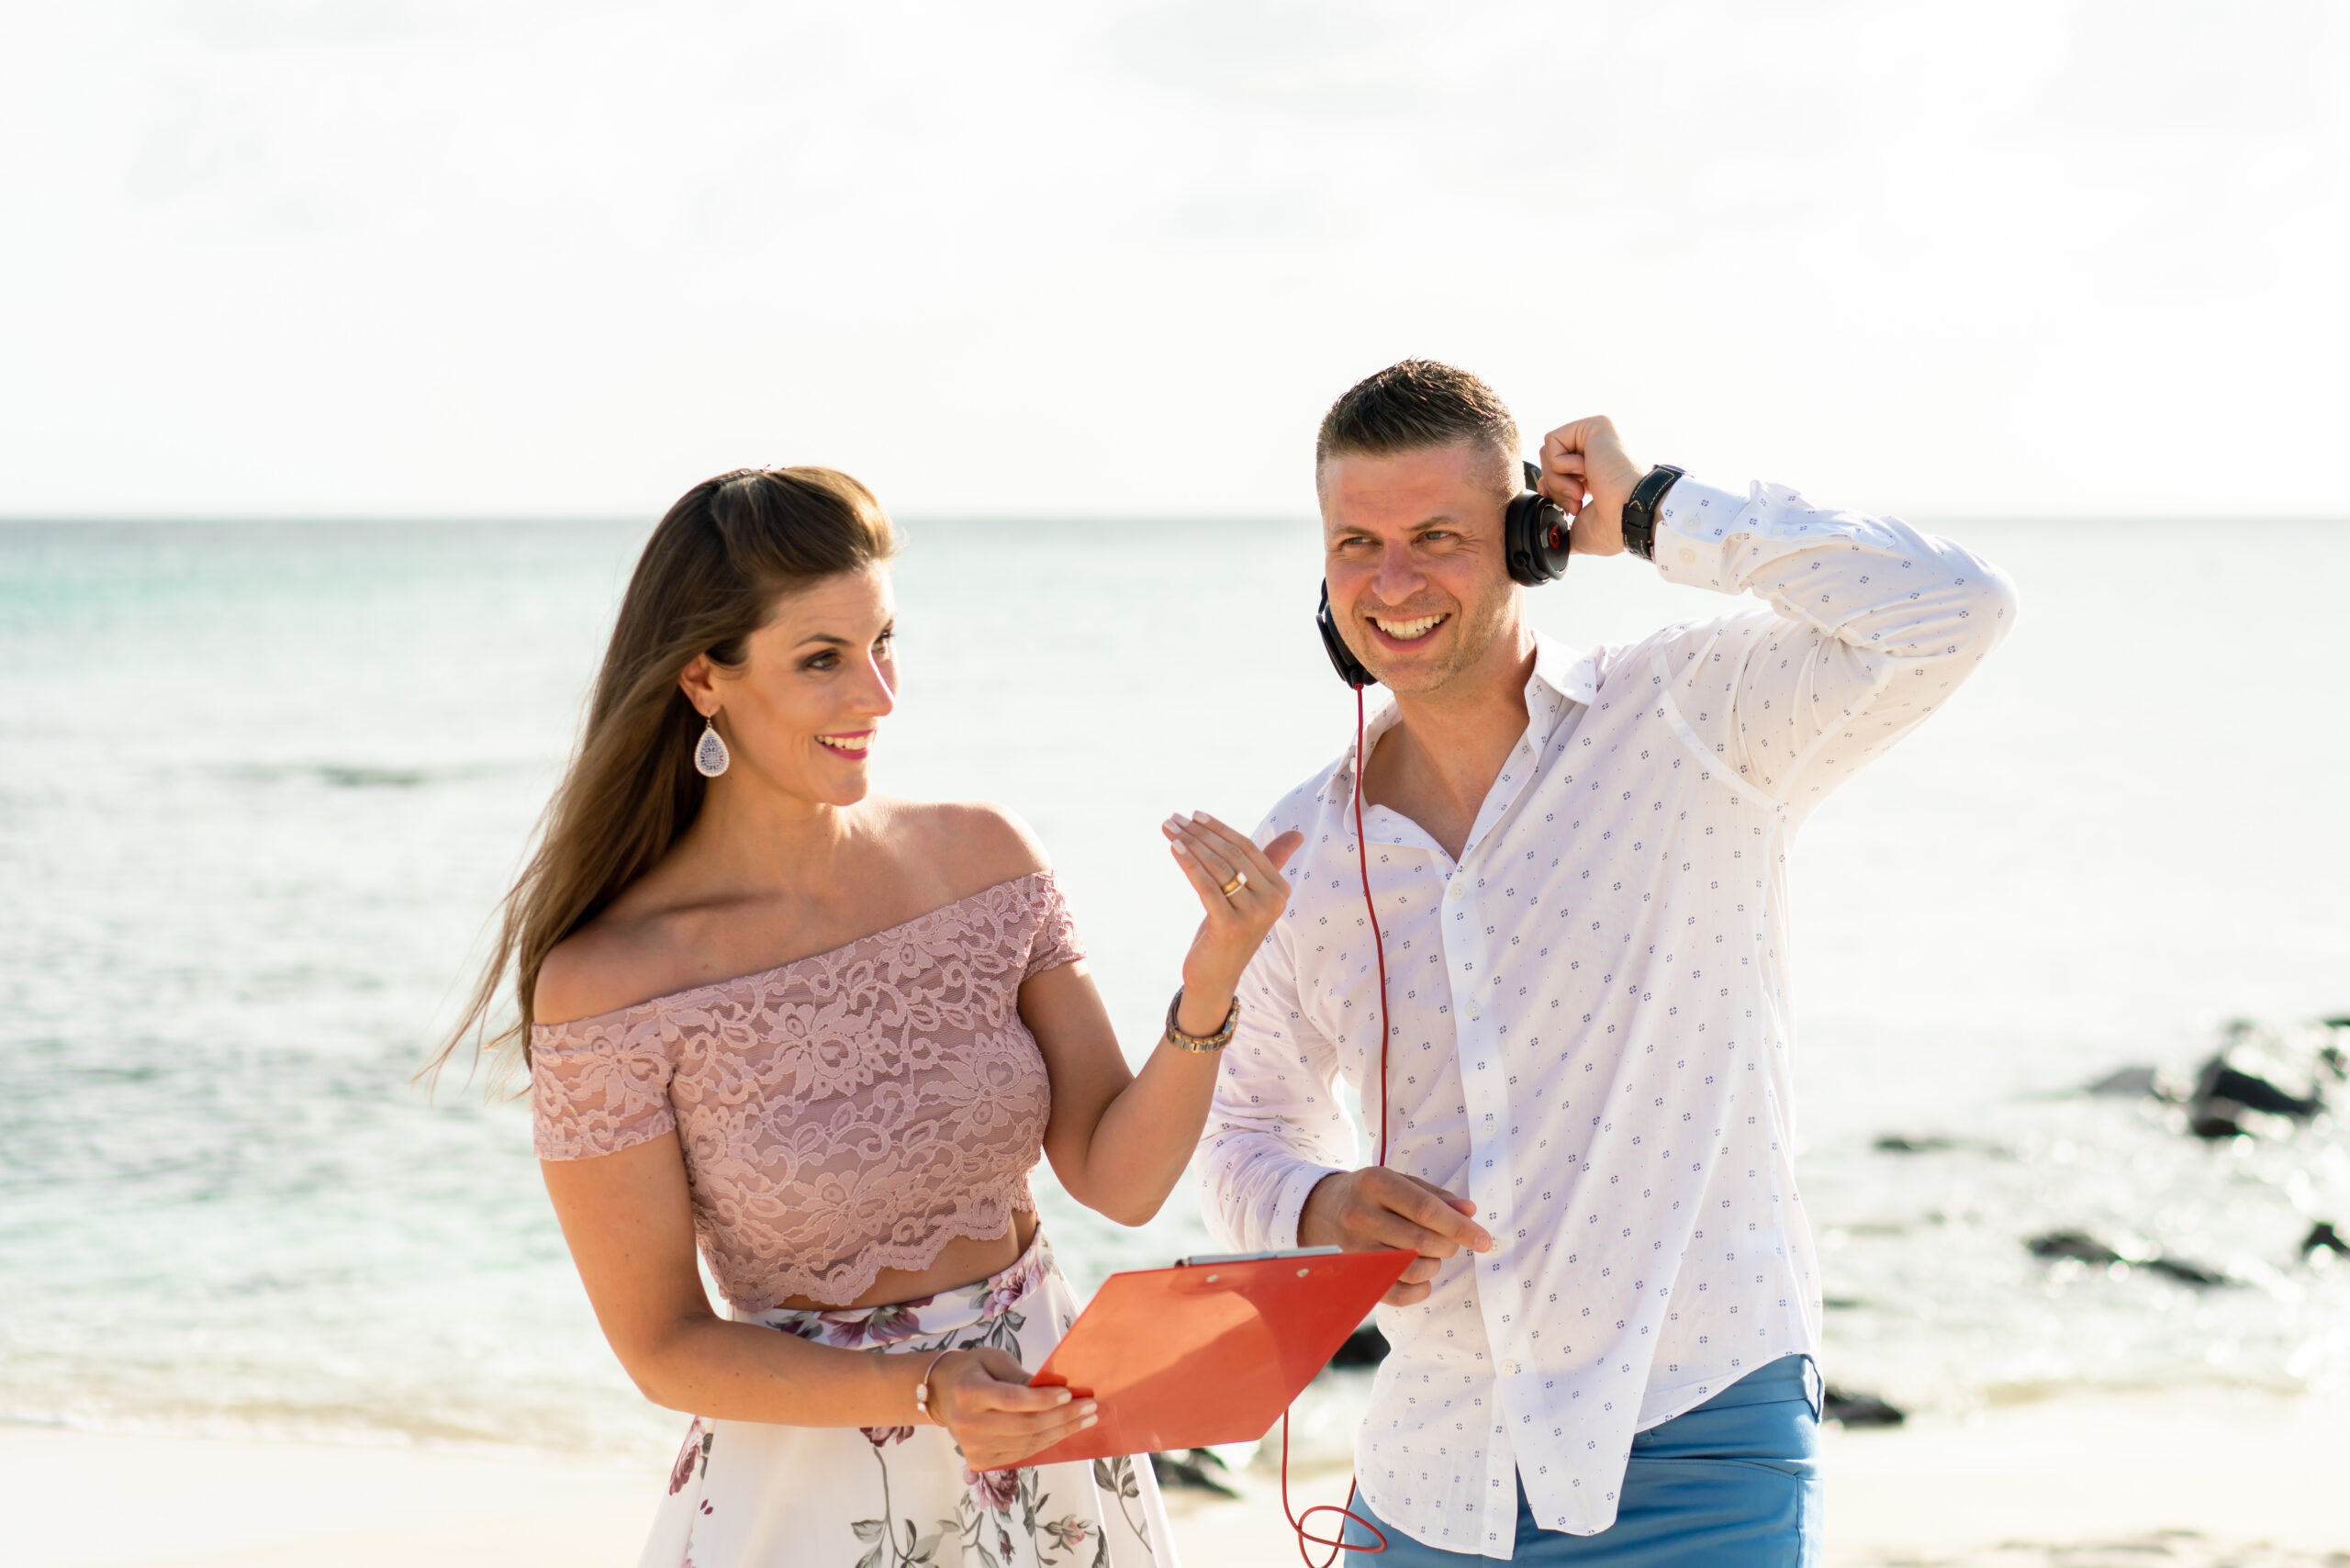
(1471, 1009)
(1459, 891)
(1509, 1369)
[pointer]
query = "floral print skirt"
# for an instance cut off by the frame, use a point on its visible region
(746, 1494)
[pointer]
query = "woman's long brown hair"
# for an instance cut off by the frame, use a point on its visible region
(710, 576)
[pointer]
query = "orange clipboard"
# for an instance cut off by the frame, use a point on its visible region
(1211, 1350)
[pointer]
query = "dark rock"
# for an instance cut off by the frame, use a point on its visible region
(1894, 1143)
(2090, 1251)
(1858, 1409)
(1842, 1303)
(2342, 1022)
(1366, 1347)
(2072, 1244)
(1189, 1470)
(2219, 1081)
(2127, 1083)
(2210, 1125)
(2323, 1236)
(2187, 1273)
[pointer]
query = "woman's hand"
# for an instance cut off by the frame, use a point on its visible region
(983, 1400)
(1213, 856)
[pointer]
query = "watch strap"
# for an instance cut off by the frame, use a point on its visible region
(1639, 509)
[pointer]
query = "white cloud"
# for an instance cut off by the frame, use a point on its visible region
(402, 257)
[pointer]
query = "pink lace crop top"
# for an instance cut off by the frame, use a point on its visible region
(841, 1114)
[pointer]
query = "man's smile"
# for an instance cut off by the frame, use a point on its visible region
(1395, 629)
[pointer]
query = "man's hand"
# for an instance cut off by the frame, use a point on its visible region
(1586, 471)
(1376, 1208)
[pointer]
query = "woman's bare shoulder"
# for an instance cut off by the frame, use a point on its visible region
(974, 843)
(629, 953)
(657, 939)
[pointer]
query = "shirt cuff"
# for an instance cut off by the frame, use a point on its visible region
(1289, 1206)
(1694, 523)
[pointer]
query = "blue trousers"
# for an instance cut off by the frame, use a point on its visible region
(1732, 1484)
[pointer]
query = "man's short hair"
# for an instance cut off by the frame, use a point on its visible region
(1416, 404)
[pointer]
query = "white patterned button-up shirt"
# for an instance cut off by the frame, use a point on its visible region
(1590, 1031)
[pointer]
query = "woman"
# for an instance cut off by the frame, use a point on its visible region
(826, 1034)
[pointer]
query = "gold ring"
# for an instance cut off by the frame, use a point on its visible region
(1239, 880)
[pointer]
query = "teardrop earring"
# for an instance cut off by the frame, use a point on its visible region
(711, 756)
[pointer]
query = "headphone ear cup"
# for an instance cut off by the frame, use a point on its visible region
(1534, 540)
(1551, 538)
(1342, 658)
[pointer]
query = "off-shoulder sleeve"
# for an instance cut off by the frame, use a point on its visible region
(597, 1087)
(1056, 942)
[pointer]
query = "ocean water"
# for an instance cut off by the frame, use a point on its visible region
(261, 785)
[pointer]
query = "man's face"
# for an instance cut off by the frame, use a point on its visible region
(1413, 557)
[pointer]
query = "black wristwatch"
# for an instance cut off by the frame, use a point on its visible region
(1640, 510)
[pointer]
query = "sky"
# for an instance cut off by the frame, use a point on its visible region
(507, 257)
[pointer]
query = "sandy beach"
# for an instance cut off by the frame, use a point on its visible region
(2184, 1478)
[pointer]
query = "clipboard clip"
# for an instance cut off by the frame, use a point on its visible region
(1204, 1258)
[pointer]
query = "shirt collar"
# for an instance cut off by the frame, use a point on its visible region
(1573, 676)
(1558, 668)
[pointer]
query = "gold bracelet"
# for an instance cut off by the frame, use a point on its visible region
(1201, 1045)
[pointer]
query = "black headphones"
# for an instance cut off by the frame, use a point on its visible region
(1534, 542)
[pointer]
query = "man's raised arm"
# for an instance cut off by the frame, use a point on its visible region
(1871, 624)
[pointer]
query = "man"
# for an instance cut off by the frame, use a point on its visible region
(1602, 1352)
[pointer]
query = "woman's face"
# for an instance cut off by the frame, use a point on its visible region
(803, 709)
